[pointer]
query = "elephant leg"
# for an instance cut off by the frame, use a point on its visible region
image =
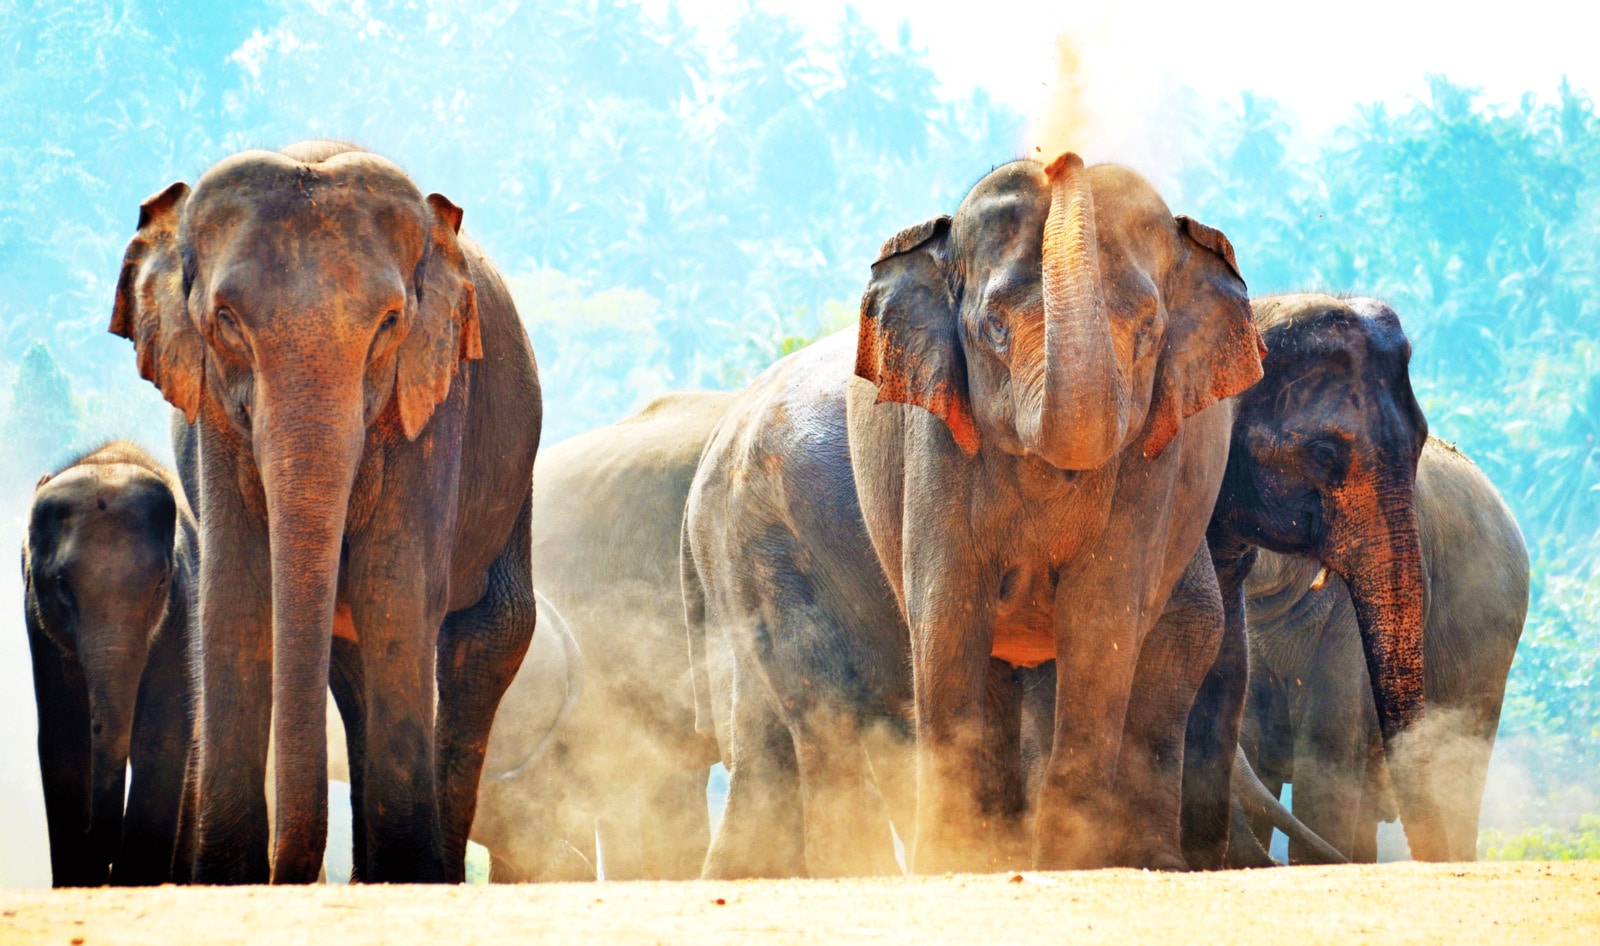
(1003, 789)
(1211, 736)
(1177, 657)
(159, 755)
(235, 631)
(952, 621)
(1096, 660)
(1332, 745)
(846, 827)
(762, 829)
(345, 682)
(480, 649)
(64, 758)
(1461, 750)
(674, 825)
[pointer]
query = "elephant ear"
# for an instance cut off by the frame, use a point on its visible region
(909, 343)
(445, 331)
(1212, 350)
(152, 308)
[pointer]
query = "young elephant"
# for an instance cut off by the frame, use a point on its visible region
(1311, 719)
(109, 569)
(367, 410)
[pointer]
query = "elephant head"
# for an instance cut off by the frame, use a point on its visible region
(301, 304)
(1063, 312)
(99, 566)
(1323, 464)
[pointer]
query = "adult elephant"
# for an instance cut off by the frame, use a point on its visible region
(1064, 335)
(367, 411)
(623, 758)
(109, 570)
(1311, 719)
(1323, 465)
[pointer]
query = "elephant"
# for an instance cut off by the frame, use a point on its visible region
(621, 747)
(1310, 719)
(365, 408)
(1323, 465)
(109, 568)
(1070, 348)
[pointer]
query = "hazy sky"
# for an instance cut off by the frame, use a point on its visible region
(1320, 59)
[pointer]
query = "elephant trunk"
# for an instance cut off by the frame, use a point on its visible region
(308, 443)
(1380, 559)
(1074, 398)
(113, 666)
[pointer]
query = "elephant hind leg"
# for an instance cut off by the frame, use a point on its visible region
(762, 829)
(846, 822)
(479, 651)
(1175, 661)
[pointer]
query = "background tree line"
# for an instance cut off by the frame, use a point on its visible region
(675, 210)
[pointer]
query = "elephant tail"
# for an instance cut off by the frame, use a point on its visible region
(551, 622)
(694, 614)
(1255, 799)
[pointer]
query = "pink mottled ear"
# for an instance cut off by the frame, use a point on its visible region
(909, 343)
(445, 330)
(152, 308)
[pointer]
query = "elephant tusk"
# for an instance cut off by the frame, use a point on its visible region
(1320, 580)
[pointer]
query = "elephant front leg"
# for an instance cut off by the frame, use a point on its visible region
(1097, 638)
(159, 755)
(397, 610)
(235, 692)
(952, 634)
(479, 651)
(62, 699)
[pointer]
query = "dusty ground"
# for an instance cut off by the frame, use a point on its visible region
(1394, 903)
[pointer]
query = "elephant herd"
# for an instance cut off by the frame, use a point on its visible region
(1070, 554)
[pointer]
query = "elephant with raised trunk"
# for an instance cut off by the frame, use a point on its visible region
(1311, 719)
(109, 570)
(1036, 443)
(366, 409)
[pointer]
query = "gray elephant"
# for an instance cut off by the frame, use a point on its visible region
(597, 734)
(109, 568)
(1311, 719)
(1035, 456)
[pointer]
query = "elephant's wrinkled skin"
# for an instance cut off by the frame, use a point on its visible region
(1065, 335)
(1323, 465)
(366, 408)
(609, 509)
(1310, 717)
(109, 570)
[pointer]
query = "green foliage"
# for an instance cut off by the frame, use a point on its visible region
(1543, 844)
(42, 425)
(1481, 226)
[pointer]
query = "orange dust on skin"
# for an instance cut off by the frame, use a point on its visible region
(344, 626)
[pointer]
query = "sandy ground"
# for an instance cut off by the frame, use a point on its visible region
(1393, 903)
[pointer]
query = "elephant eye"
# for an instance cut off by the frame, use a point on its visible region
(993, 329)
(1326, 454)
(58, 587)
(390, 319)
(226, 317)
